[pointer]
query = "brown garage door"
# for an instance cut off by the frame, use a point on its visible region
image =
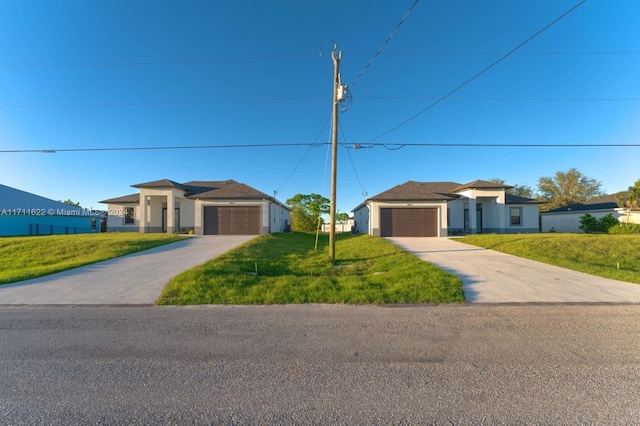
(231, 220)
(414, 222)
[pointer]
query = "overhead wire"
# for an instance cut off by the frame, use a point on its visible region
(384, 44)
(353, 166)
(363, 145)
(503, 57)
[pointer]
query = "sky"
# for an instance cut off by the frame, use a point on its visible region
(122, 74)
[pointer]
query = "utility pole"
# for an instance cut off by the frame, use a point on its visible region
(337, 56)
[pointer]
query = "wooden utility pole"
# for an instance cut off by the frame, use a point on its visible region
(337, 56)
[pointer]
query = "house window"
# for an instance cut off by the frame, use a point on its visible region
(93, 223)
(128, 215)
(516, 215)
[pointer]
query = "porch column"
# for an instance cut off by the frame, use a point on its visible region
(143, 214)
(171, 210)
(473, 228)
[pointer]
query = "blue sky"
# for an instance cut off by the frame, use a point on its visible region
(122, 74)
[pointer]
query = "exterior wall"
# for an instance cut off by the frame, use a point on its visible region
(280, 218)
(570, 221)
(628, 217)
(200, 204)
(115, 218)
(530, 220)
(455, 213)
(377, 205)
(361, 219)
(19, 225)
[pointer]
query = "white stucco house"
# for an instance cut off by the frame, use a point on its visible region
(202, 207)
(567, 219)
(24, 213)
(440, 209)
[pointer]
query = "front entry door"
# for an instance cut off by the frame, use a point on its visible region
(176, 219)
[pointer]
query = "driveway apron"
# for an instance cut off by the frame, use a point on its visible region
(492, 277)
(132, 279)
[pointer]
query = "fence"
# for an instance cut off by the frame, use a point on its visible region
(41, 229)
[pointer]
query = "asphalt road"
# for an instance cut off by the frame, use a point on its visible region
(321, 364)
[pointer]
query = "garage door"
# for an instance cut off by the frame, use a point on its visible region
(409, 222)
(231, 220)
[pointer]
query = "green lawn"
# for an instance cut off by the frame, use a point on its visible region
(22, 258)
(609, 256)
(367, 270)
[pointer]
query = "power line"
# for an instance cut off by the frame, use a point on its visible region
(159, 148)
(481, 72)
(363, 145)
(165, 62)
(487, 99)
(462, 53)
(395, 30)
(353, 166)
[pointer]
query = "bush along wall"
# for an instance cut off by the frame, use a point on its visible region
(592, 225)
(625, 228)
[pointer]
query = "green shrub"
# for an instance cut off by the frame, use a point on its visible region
(625, 228)
(592, 225)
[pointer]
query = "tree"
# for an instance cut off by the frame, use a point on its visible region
(629, 198)
(71, 203)
(306, 210)
(342, 217)
(523, 190)
(567, 188)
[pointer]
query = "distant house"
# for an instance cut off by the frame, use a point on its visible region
(23, 213)
(567, 219)
(439, 209)
(202, 207)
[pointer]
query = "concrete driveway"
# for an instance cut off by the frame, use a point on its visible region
(492, 277)
(133, 279)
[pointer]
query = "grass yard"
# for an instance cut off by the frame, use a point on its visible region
(610, 256)
(22, 258)
(367, 270)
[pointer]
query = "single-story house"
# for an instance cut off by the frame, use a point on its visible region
(202, 207)
(24, 213)
(567, 219)
(439, 209)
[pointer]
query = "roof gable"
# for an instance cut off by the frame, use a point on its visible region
(482, 184)
(232, 190)
(162, 183)
(419, 191)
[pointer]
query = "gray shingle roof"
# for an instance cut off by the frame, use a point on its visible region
(606, 202)
(132, 198)
(233, 190)
(485, 184)
(162, 183)
(419, 191)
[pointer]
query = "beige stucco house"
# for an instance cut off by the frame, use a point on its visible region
(206, 207)
(440, 209)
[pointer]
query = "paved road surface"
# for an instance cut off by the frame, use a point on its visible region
(492, 277)
(133, 279)
(321, 364)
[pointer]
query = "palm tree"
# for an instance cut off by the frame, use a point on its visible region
(629, 198)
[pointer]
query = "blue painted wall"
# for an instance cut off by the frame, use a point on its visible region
(46, 225)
